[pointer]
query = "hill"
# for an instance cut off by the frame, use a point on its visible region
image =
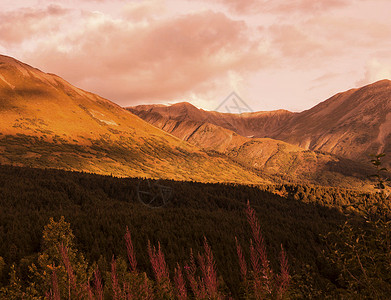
(256, 124)
(351, 124)
(48, 123)
(209, 131)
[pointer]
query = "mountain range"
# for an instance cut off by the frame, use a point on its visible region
(46, 122)
(351, 124)
(337, 135)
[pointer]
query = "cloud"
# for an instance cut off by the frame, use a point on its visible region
(326, 77)
(26, 23)
(292, 41)
(282, 6)
(306, 6)
(318, 41)
(349, 31)
(375, 70)
(138, 11)
(160, 59)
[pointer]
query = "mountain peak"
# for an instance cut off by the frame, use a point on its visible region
(14, 72)
(184, 103)
(10, 61)
(382, 82)
(5, 58)
(184, 106)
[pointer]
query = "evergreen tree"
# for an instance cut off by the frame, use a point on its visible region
(59, 258)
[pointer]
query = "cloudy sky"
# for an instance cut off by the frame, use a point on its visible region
(289, 54)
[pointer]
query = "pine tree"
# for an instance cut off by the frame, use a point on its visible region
(60, 257)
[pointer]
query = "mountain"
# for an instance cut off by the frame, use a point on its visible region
(265, 155)
(48, 123)
(351, 124)
(257, 124)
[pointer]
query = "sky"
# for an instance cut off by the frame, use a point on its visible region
(274, 54)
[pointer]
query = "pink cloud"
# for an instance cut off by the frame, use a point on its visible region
(349, 31)
(26, 23)
(138, 11)
(161, 60)
(165, 50)
(291, 41)
(308, 6)
(317, 41)
(375, 70)
(282, 6)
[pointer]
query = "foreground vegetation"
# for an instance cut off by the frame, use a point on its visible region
(62, 272)
(312, 224)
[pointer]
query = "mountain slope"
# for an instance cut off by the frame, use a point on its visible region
(265, 155)
(47, 122)
(257, 124)
(352, 124)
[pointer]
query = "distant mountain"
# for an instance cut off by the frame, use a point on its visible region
(352, 124)
(268, 156)
(46, 122)
(258, 124)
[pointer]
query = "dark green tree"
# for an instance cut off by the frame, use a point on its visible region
(361, 249)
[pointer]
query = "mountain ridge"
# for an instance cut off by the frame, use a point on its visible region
(46, 122)
(338, 125)
(267, 155)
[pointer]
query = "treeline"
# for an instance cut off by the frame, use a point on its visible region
(99, 208)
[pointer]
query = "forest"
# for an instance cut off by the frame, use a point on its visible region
(335, 239)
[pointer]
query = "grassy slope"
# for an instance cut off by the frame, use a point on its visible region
(265, 155)
(46, 122)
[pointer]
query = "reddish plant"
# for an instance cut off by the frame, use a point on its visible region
(127, 294)
(68, 267)
(208, 270)
(181, 292)
(264, 282)
(260, 249)
(114, 280)
(284, 275)
(130, 251)
(254, 260)
(88, 289)
(158, 263)
(242, 261)
(55, 292)
(196, 284)
(98, 285)
(256, 271)
(160, 269)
